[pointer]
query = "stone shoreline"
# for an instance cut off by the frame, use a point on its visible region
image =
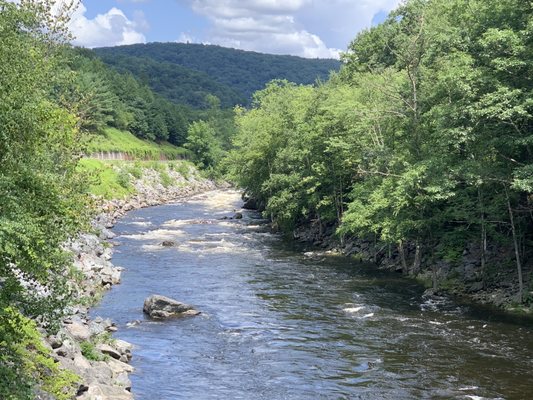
(84, 345)
(461, 279)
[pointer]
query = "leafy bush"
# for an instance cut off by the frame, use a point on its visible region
(21, 346)
(89, 351)
(123, 179)
(166, 179)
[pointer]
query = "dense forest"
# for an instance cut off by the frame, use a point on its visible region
(104, 98)
(422, 144)
(185, 73)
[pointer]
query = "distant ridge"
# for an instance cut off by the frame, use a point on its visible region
(185, 73)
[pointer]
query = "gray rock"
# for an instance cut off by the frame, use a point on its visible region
(118, 367)
(123, 347)
(162, 307)
(78, 331)
(100, 372)
(476, 287)
(54, 341)
(105, 392)
(168, 243)
(106, 234)
(110, 351)
(250, 204)
(237, 215)
(123, 381)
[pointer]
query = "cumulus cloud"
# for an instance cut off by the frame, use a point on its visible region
(110, 29)
(262, 25)
(299, 27)
(186, 37)
(338, 21)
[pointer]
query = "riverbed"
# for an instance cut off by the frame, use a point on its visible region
(283, 322)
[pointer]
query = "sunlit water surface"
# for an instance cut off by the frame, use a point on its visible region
(282, 323)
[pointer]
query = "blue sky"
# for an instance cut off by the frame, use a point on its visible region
(307, 28)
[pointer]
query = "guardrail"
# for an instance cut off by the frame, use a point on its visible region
(123, 156)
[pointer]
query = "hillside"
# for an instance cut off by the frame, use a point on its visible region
(182, 72)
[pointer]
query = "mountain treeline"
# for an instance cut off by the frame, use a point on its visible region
(422, 144)
(186, 73)
(107, 98)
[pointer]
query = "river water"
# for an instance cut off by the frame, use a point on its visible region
(281, 323)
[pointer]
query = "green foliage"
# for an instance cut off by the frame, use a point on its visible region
(181, 167)
(101, 98)
(89, 351)
(166, 180)
(135, 170)
(114, 140)
(42, 201)
(424, 138)
(202, 142)
(24, 361)
(186, 73)
(123, 179)
(104, 179)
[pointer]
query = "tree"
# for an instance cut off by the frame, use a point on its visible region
(42, 201)
(201, 140)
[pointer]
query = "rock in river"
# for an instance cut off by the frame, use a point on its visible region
(161, 307)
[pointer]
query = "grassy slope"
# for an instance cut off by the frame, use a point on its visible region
(122, 141)
(113, 179)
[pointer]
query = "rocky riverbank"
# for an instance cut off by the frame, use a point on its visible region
(84, 345)
(495, 284)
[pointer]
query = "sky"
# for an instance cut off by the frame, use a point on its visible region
(306, 28)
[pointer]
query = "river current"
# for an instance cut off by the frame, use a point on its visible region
(280, 322)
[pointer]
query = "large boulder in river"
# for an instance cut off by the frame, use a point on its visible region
(250, 203)
(162, 307)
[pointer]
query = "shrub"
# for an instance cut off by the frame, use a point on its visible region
(166, 179)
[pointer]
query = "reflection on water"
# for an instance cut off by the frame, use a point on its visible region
(281, 324)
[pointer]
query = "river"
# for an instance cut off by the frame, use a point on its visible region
(278, 322)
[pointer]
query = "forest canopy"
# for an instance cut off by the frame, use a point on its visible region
(422, 143)
(185, 73)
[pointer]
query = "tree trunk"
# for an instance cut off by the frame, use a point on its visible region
(402, 257)
(375, 256)
(416, 263)
(516, 249)
(434, 276)
(483, 243)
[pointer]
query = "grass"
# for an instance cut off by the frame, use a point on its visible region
(104, 180)
(114, 140)
(166, 180)
(113, 179)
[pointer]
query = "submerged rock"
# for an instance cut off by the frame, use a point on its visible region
(162, 307)
(237, 215)
(168, 243)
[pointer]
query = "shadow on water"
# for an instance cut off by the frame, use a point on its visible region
(279, 323)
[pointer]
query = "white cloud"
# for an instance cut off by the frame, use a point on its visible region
(110, 29)
(186, 37)
(262, 25)
(296, 27)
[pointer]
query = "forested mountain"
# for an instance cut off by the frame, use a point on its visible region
(422, 145)
(107, 98)
(185, 72)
